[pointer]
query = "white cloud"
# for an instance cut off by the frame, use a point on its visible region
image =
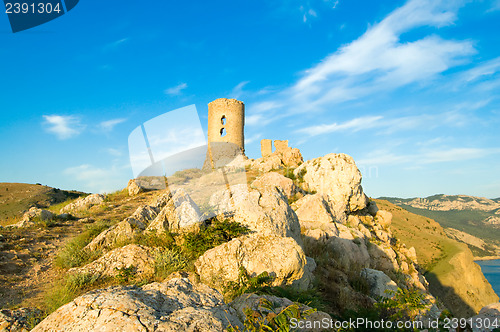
(95, 179)
(109, 125)
(379, 61)
(252, 138)
(176, 90)
(113, 45)
(237, 91)
(64, 127)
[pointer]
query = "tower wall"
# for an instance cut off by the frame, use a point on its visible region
(229, 115)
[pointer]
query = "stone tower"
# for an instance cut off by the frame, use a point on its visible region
(226, 121)
(226, 139)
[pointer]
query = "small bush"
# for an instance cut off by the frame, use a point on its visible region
(247, 284)
(210, 236)
(264, 317)
(168, 261)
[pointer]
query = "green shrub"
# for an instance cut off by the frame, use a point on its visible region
(403, 304)
(210, 236)
(264, 317)
(247, 284)
(168, 261)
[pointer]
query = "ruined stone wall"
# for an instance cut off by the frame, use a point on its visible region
(281, 146)
(226, 115)
(266, 147)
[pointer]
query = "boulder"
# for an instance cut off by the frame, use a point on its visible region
(141, 258)
(273, 179)
(489, 313)
(265, 212)
(179, 214)
(383, 218)
(267, 164)
(173, 305)
(142, 216)
(145, 183)
(254, 303)
(281, 257)
(336, 177)
(115, 234)
(32, 216)
(383, 257)
(380, 284)
(349, 253)
(313, 209)
(83, 203)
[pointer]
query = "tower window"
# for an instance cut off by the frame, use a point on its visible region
(223, 132)
(223, 120)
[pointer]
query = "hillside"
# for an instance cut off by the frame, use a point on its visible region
(15, 198)
(448, 265)
(479, 217)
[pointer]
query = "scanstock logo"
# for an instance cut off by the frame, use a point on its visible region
(26, 14)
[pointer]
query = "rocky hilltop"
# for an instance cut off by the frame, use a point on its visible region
(296, 241)
(451, 202)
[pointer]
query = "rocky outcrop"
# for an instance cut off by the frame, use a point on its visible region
(336, 177)
(281, 257)
(485, 320)
(173, 305)
(283, 157)
(313, 209)
(265, 212)
(380, 284)
(145, 183)
(139, 258)
(32, 216)
(83, 203)
(273, 179)
(179, 214)
(18, 320)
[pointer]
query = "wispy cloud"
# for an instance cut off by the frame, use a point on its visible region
(176, 90)
(115, 44)
(109, 125)
(237, 91)
(379, 61)
(64, 127)
(252, 138)
(353, 125)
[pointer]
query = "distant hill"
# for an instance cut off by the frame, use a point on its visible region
(448, 265)
(466, 218)
(15, 198)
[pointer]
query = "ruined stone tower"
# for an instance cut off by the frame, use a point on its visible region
(226, 139)
(226, 121)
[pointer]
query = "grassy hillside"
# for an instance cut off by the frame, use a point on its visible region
(448, 265)
(15, 198)
(468, 221)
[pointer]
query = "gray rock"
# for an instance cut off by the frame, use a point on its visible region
(173, 305)
(380, 284)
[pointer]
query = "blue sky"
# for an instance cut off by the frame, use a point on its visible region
(409, 89)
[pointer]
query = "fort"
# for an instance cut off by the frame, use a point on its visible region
(226, 137)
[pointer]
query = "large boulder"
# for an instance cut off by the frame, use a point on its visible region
(273, 179)
(349, 253)
(32, 216)
(265, 212)
(84, 203)
(173, 305)
(380, 284)
(179, 214)
(145, 183)
(313, 209)
(125, 229)
(487, 315)
(337, 178)
(281, 257)
(140, 258)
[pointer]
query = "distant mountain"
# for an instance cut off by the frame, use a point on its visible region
(16, 198)
(466, 218)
